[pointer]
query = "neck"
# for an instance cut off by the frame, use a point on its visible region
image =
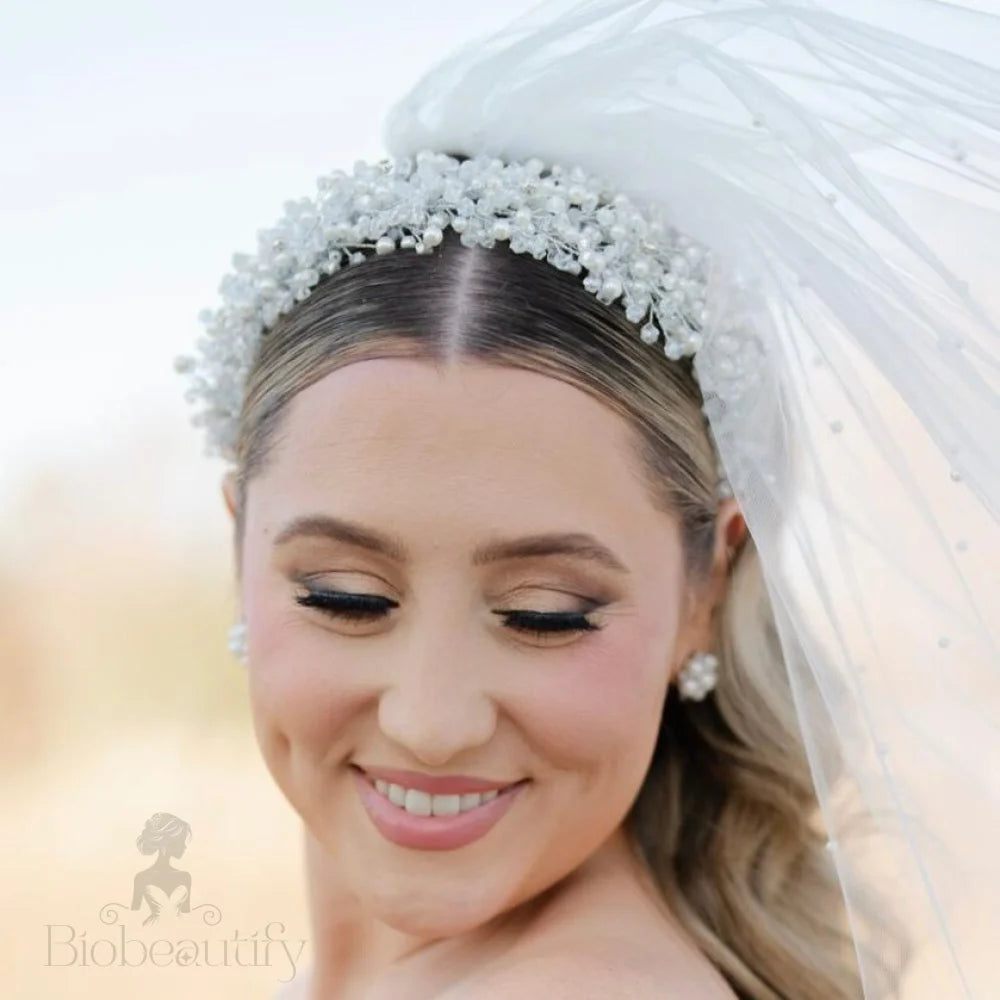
(356, 955)
(349, 946)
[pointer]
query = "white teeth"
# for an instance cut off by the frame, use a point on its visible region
(418, 803)
(446, 805)
(421, 804)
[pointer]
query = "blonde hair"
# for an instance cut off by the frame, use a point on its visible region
(727, 819)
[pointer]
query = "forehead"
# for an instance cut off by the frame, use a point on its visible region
(399, 438)
(393, 417)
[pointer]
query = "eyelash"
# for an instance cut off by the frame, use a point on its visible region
(361, 607)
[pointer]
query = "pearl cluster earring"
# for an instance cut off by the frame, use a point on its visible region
(698, 677)
(238, 641)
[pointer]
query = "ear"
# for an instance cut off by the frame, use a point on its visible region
(229, 492)
(230, 495)
(731, 531)
(696, 633)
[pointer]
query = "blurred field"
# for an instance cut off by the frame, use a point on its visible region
(119, 699)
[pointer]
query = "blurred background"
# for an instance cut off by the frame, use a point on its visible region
(141, 145)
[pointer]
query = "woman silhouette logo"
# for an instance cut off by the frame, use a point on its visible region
(163, 887)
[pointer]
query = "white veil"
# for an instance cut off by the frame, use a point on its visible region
(843, 164)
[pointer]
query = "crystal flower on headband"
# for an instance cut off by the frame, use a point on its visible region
(564, 216)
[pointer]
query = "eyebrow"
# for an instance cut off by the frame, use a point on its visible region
(577, 544)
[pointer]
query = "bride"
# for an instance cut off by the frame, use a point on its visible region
(546, 565)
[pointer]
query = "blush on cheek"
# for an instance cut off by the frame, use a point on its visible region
(308, 698)
(602, 701)
(300, 685)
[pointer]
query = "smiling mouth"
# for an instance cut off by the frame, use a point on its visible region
(418, 802)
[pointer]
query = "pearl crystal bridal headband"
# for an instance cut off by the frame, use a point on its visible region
(658, 276)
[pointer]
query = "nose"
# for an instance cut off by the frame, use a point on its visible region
(436, 708)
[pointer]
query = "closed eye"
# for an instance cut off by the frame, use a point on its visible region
(547, 621)
(369, 607)
(354, 607)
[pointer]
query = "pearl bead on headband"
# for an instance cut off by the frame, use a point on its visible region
(565, 216)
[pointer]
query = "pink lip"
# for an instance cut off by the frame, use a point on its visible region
(432, 833)
(449, 784)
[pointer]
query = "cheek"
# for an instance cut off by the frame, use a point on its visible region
(296, 689)
(600, 708)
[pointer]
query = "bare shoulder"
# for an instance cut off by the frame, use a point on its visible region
(614, 972)
(608, 938)
(296, 989)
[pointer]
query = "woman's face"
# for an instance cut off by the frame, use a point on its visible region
(440, 466)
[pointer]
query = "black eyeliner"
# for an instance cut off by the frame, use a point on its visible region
(351, 605)
(549, 621)
(345, 602)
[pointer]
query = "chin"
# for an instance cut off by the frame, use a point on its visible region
(433, 912)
